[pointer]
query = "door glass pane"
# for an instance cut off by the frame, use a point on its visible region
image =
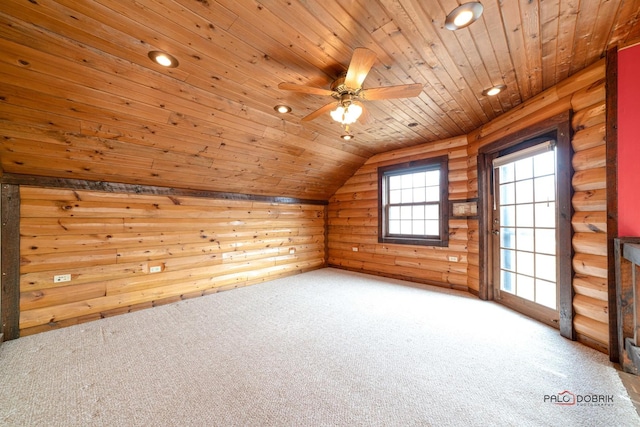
(507, 194)
(546, 214)
(526, 287)
(527, 208)
(508, 259)
(546, 267)
(546, 241)
(546, 293)
(507, 281)
(524, 215)
(524, 191)
(545, 189)
(545, 163)
(524, 239)
(508, 238)
(507, 173)
(525, 263)
(508, 216)
(524, 168)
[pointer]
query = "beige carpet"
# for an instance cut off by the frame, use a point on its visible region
(326, 348)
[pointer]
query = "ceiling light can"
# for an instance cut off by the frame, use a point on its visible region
(493, 91)
(282, 109)
(463, 15)
(163, 59)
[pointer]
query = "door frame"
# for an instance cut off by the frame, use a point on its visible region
(558, 128)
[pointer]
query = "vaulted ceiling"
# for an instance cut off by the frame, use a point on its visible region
(79, 97)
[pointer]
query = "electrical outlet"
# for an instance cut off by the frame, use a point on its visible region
(453, 258)
(62, 278)
(292, 251)
(354, 249)
(155, 269)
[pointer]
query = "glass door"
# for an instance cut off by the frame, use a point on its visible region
(524, 232)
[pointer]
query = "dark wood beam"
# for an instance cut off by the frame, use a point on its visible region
(10, 265)
(612, 195)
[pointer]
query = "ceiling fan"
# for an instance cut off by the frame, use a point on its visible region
(347, 90)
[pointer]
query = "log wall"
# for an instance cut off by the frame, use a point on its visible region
(110, 244)
(353, 223)
(353, 209)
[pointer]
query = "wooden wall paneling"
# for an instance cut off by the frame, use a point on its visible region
(109, 237)
(10, 265)
(353, 223)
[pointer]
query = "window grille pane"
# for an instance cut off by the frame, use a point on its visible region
(395, 182)
(405, 212)
(394, 213)
(432, 194)
(432, 212)
(419, 179)
(432, 178)
(413, 202)
(431, 228)
(395, 196)
(407, 181)
(418, 212)
(407, 195)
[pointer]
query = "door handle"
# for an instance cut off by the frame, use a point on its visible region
(496, 232)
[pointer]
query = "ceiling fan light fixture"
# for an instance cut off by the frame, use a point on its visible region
(493, 91)
(348, 114)
(163, 59)
(463, 15)
(347, 137)
(282, 109)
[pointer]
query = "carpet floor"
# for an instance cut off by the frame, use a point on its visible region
(324, 348)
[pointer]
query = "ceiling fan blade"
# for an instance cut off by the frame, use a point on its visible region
(320, 111)
(390, 92)
(361, 62)
(304, 89)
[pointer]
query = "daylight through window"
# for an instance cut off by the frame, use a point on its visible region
(413, 202)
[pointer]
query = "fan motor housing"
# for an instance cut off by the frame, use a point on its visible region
(340, 89)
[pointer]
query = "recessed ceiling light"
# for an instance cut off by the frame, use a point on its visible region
(493, 91)
(347, 137)
(282, 109)
(163, 59)
(463, 15)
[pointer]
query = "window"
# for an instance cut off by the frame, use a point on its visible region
(412, 203)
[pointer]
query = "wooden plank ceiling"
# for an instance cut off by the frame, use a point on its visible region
(79, 98)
